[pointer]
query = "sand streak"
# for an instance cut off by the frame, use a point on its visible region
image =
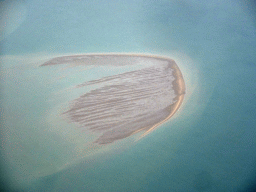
(129, 102)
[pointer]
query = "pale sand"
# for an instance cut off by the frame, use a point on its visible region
(129, 102)
(179, 88)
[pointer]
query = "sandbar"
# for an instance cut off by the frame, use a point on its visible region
(126, 103)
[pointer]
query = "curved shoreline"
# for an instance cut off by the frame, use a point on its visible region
(179, 88)
(127, 93)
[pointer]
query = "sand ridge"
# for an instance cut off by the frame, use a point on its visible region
(128, 102)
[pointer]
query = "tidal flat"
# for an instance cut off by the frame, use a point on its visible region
(126, 103)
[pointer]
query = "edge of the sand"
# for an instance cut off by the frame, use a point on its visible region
(178, 83)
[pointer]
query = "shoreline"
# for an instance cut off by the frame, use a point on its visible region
(166, 68)
(179, 88)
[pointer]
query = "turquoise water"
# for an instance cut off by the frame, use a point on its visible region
(209, 145)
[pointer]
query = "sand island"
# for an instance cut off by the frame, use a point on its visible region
(126, 103)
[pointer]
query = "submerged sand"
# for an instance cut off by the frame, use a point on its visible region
(129, 102)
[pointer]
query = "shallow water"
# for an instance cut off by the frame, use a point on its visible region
(208, 145)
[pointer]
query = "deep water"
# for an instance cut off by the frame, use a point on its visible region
(209, 145)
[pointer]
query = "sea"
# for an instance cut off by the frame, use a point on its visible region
(208, 145)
